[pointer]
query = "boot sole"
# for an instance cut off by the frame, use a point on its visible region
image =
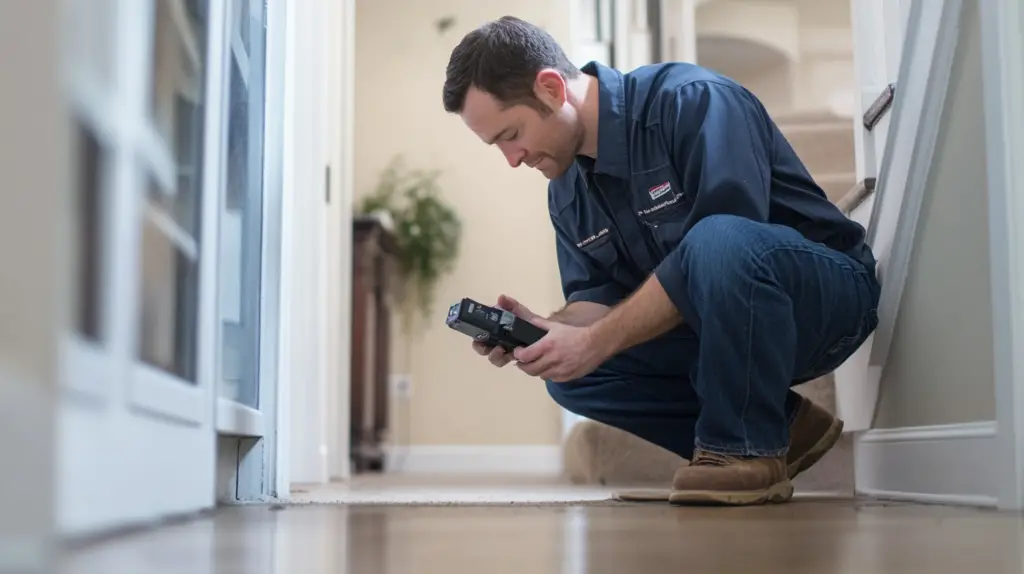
(775, 494)
(818, 451)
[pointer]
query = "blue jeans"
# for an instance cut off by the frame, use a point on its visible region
(763, 309)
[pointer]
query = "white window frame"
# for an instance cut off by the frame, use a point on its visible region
(234, 418)
(1002, 30)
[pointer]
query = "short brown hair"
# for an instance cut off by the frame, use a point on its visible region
(503, 58)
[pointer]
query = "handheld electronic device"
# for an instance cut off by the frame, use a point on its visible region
(492, 326)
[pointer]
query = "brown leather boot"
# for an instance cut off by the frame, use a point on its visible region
(813, 432)
(713, 478)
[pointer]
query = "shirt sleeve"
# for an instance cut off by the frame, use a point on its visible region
(721, 148)
(581, 279)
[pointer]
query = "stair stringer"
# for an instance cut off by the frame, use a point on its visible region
(917, 114)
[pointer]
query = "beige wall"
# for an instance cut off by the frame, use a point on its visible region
(508, 245)
(940, 370)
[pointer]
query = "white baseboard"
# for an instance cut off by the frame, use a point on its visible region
(943, 464)
(475, 459)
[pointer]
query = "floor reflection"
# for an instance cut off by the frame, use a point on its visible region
(805, 536)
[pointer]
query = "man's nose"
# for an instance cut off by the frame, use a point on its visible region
(513, 155)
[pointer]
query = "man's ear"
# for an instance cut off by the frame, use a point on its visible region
(550, 88)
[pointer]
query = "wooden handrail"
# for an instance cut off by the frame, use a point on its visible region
(856, 196)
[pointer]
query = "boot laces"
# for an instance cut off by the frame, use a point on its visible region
(704, 458)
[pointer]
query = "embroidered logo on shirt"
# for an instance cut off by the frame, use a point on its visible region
(660, 190)
(592, 238)
(659, 207)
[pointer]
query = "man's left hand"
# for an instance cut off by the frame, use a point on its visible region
(566, 353)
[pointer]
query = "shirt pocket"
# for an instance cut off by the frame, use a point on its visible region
(662, 206)
(603, 252)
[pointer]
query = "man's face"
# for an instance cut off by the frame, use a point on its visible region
(548, 141)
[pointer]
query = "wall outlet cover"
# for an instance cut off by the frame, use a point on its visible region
(401, 385)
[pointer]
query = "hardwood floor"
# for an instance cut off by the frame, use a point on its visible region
(806, 535)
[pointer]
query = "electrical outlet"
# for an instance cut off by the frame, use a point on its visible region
(401, 386)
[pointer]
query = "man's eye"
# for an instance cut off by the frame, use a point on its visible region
(514, 135)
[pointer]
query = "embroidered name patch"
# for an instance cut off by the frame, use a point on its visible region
(659, 190)
(592, 238)
(659, 207)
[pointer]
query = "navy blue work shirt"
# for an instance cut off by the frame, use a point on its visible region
(677, 143)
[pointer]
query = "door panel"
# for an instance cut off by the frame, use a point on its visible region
(136, 423)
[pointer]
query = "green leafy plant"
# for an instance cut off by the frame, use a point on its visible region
(427, 230)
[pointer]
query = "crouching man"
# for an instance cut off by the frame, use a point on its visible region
(705, 272)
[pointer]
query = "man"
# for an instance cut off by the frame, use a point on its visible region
(705, 273)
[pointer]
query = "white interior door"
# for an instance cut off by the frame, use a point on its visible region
(136, 425)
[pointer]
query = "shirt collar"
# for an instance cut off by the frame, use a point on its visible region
(612, 153)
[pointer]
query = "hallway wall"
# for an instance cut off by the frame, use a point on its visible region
(457, 397)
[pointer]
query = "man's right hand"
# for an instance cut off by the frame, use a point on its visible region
(496, 355)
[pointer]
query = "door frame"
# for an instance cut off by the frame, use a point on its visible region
(340, 74)
(1002, 29)
(314, 337)
(251, 441)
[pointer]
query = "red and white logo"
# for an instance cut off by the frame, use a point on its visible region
(660, 190)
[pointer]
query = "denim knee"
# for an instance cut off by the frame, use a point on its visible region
(717, 257)
(718, 244)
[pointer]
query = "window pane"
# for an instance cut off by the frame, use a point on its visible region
(242, 216)
(171, 222)
(89, 225)
(169, 294)
(179, 59)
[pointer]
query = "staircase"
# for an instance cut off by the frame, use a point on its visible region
(599, 454)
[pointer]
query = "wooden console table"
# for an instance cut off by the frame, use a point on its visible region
(373, 267)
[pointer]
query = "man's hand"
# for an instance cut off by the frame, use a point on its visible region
(496, 355)
(566, 353)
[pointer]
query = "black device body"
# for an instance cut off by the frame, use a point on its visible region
(492, 326)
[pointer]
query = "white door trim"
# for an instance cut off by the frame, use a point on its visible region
(1002, 24)
(273, 387)
(340, 74)
(302, 361)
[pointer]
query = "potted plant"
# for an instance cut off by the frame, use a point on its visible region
(427, 231)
